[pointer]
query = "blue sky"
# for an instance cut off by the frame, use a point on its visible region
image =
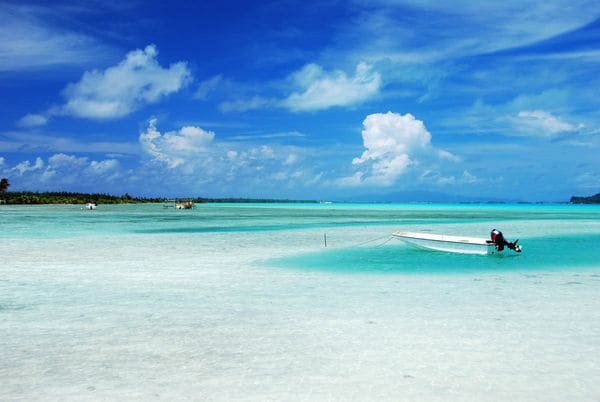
(352, 100)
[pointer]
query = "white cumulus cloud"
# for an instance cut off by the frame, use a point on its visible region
(319, 89)
(119, 90)
(66, 165)
(27, 166)
(172, 148)
(392, 143)
(103, 167)
(62, 168)
(62, 160)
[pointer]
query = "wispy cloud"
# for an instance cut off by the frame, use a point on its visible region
(243, 105)
(286, 134)
(28, 142)
(413, 31)
(313, 88)
(542, 123)
(549, 114)
(32, 120)
(579, 43)
(404, 40)
(206, 87)
(590, 181)
(30, 42)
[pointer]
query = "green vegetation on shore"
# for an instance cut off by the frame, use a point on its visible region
(594, 199)
(27, 197)
(63, 197)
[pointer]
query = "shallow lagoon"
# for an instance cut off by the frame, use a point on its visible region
(244, 302)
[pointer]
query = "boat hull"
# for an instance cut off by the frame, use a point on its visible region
(451, 244)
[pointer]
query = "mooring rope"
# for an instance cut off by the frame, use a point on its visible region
(386, 241)
(386, 237)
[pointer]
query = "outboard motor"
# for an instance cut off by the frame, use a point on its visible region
(500, 242)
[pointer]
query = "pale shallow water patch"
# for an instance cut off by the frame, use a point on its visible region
(97, 309)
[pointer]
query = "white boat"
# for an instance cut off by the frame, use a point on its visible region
(184, 205)
(90, 205)
(453, 244)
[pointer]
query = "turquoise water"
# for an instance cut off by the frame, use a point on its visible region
(71, 220)
(547, 253)
(244, 302)
(569, 237)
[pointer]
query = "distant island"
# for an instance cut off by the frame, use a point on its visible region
(28, 197)
(60, 197)
(594, 199)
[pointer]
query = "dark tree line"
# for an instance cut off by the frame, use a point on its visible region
(4, 185)
(61, 197)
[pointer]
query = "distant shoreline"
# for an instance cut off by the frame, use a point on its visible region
(58, 198)
(66, 198)
(593, 199)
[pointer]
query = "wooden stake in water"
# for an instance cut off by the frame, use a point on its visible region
(325, 239)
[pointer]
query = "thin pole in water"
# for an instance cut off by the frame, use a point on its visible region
(325, 239)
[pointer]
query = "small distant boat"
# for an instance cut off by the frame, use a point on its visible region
(184, 205)
(91, 205)
(458, 244)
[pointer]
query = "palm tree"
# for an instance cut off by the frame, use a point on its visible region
(4, 185)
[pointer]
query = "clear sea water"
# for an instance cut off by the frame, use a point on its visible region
(244, 302)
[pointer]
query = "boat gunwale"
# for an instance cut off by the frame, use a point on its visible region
(474, 241)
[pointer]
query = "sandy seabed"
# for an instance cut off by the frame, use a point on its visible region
(208, 316)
